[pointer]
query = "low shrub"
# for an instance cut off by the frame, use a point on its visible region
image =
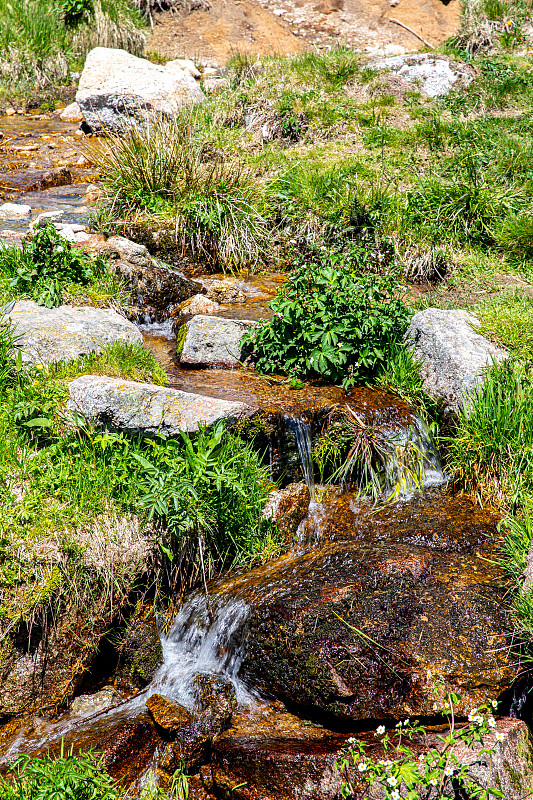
(45, 266)
(331, 321)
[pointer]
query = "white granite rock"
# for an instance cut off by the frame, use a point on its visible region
(149, 409)
(452, 354)
(213, 341)
(67, 332)
(117, 88)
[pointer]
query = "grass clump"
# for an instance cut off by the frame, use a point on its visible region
(41, 41)
(167, 169)
(331, 321)
(81, 777)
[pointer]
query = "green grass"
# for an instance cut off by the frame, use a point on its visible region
(39, 45)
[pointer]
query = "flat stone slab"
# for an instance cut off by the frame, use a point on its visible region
(214, 341)
(67, 332)
(453, 356)
(149, 409)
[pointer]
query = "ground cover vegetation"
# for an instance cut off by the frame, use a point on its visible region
(41, 42)
(81, 777)
(434, 194)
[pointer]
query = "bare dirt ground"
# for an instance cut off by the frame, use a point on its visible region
(263, 27)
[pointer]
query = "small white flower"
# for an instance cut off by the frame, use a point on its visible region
(362, 767)
(406, 721)
(429, 674)
(421, 757)
(395, 794)
(387, 764)
(499, 736)
(492, 722)
(399, 724)
(433, 781)
(391, 780)
(351, 740)
(494, 703)
(380, 730)
(449, 772)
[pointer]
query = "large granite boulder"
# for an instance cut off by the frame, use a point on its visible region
(453, 356)
(149, 409)
(357, 630)
(213, 341)
(155, 286)
(65, 333)
(117, 89)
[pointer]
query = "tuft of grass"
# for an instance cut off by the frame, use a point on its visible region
(332, 70)
(40, 41)
(167, 170)
(118, 360)
(491, 451)
(515, 235)
(507, 319)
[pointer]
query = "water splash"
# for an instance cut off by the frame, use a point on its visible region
(411, 462)
(301, 430)
(205, 637)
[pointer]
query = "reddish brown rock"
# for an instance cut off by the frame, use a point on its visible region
(357, 630)
(167, 714)
(288, 507)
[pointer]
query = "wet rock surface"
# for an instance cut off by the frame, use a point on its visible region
(213, 341)
(117, 88)
(155, 286)
(280, 757)
(141, 653)
(288, 507)
(67, 332)
(353, 631)
(452, 354)
(149, 409)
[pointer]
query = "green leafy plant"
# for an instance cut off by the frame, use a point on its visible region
(330, 321)
(433, 771)
(209, 493)
(81, 777)
(45, 264)
(10, 356)
(74, 11)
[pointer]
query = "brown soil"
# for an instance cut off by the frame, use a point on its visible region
(267, 27)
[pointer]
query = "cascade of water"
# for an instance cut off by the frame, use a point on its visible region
(411, 461)
(203, 639)
(301, 430)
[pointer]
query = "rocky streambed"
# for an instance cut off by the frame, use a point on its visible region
(257, 683)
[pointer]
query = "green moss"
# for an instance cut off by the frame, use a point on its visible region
(180, 340)
(514, 777)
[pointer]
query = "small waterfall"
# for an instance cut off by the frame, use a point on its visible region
(301, 430)
(410, 461)
(203, 639)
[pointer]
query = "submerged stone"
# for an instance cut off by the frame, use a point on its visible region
(214, 341)
(149, 409)
(288, 507)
